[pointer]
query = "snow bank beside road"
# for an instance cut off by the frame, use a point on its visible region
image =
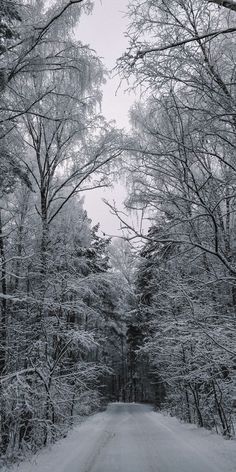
(133, 438)
(75, 448)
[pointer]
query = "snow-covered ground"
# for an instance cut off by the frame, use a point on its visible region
(133, 438)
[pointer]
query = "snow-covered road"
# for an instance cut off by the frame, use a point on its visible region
(133, 438)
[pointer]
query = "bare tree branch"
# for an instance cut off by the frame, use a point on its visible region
(142, 53)
(230, 4)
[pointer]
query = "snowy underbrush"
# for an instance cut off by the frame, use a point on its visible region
(41, 433)
(204, 413)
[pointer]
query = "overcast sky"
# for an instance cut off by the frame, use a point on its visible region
(104, 31)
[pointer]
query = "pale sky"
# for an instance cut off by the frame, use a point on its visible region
(104, 31)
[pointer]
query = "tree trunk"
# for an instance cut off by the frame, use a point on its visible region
(3, 326)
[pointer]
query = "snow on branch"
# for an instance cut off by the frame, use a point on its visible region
(230, 4)
(142, 53)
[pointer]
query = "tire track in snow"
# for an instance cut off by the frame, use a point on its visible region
(101, 444)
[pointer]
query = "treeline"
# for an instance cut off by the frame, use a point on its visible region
(58, 299)
(183, 177)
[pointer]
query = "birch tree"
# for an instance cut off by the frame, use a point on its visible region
(55, 290)
(183, 177)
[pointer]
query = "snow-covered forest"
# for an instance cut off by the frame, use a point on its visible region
(149, 316)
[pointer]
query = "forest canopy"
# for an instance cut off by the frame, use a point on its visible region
(86, 318)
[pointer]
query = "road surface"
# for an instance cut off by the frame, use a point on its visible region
(133, 438)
